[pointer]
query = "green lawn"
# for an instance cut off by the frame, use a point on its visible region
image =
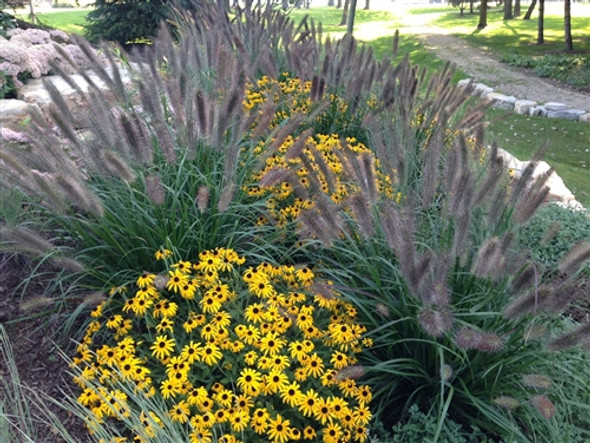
(68, 20)
(519, 36)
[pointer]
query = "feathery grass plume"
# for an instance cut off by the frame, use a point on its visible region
(537, 381)
(575, 337)
(35, 303)
(21, 239)
(202, 200)
(530, 303)
(525, 278)
(47, 189)
(226, 197)
(365, 174)
(550, 233)
(79, 195)
(399, 227)
(544, 406)
(312, 225)
(353, 372)
(528, 205)
(490, 260)
(362, 214)
(116, 165)
(490, 342)
(382, 310)
(435, 322)
(534, 332)
(495, 173)
(155, 189)
(507, 402)
(467, 338)
(461, 235)
(395, 47)
(135, 136)
(579, 254)
(273, 176)
(431, 166)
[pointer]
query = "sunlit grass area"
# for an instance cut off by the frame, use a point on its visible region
(519, 36)
(567, 145)
(71, 21)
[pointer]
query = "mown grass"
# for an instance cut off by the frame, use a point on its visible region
(567, 144)
(71, 21)
(517, 36)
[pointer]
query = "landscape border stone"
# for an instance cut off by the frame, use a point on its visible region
(530, 107)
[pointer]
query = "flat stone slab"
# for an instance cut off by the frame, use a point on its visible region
(14, 112)
(538, 111)
(523, 106)
(567, 114)
(500, 101)
(585, 118)
(554, 106)
(481, 89)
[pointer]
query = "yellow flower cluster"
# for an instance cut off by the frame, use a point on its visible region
(262, 355)
(321, 165)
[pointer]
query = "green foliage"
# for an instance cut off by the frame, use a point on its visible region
(573, 70)
(129, 22)
(419, 427)
(553, 232)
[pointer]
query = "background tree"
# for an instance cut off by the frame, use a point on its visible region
(367, 5)
(350, 21)
(529, 11)
(129, 22)
(483, 14)
(516, 8)
(508, 10)
(567, 25)
(541, 27)
(344, 19)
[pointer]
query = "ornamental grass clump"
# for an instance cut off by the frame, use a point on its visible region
(230, 353)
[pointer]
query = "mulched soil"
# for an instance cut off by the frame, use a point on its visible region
(36, 346)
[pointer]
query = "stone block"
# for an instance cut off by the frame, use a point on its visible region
(14, 112)
(500, 101)
(554, 106)
(538, 111)
(464, 83)
(480, 89)
(523, 106)
(567, 114)
(585, 118)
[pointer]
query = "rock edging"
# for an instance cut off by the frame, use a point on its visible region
(525, 107)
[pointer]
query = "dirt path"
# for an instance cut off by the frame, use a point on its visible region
(481, 66)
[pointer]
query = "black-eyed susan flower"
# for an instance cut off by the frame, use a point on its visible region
(278, 429)
(250, 381)
(162, 347)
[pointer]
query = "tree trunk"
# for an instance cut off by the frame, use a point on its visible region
(344, 13)
(483, 14)
(529, 11)
(541, 27)
(508, 10)
(330, 2)
(32, 16)
(367, 5)
(567, 25)
(471, 2)
(516, 8)
(351, 14)
(339, 4)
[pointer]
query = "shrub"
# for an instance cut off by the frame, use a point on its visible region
(129, 22)
(552, 232)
